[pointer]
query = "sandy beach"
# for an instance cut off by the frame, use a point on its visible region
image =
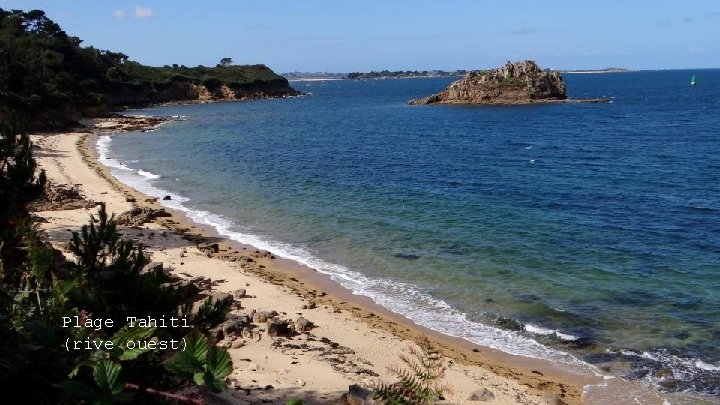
(353, 340)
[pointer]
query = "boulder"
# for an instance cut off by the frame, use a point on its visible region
(216, 333)
(220, 296)
(261, 316)
(188, 289)
(209, 247)
(303, 325)
(278, 327)
(482, 394)
(138, 216)
(57, 197)
(358, 395)
(152, 267)
(233, 327)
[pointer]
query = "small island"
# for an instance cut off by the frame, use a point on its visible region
(515, 83)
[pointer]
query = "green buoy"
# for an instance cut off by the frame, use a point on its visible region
(693, 81)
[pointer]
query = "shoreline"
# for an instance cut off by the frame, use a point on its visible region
(538, 381)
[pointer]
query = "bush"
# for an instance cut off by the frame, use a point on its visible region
(107, 282)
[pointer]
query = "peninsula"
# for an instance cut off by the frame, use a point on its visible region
(49, 79)
(515, 83)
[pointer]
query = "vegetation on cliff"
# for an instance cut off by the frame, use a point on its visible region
(49, 79)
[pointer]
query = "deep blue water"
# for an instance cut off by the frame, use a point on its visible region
(593, 229)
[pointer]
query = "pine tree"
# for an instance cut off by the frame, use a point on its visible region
(18, 185)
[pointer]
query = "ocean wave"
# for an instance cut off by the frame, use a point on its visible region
(148, 175)
(705, 366)
(103, 148)
(139, 179)
(539, 330)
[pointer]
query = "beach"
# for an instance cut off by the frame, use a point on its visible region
(353, 340)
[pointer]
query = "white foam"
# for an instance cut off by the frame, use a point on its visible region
(705, 366)
(396, 296)
(103, 148)
(649, 356)
(682, 367)
(539, 330)
(148, 175)
(565, 336)
(139, 179)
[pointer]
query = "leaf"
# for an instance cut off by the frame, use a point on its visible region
(199, 378)
(217, 367)
(107, 376)
(184, 364)
(218, 363)
(216, 385)
(126, 334)
(196, 345)
(132, 354)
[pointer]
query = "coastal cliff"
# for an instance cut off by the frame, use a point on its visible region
(183, 88)
(515, 83)
(49, 81)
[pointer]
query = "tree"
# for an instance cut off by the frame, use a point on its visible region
(225, 62)
(19, 183)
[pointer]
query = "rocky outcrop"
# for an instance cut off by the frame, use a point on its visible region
(515, 83)
(185, 91)
(57, 197)
(141, 215)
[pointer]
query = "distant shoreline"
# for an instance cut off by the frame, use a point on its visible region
(384, 75)
(597, 71)
(315, 79)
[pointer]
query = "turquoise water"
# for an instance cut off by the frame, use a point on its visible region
(589, 229)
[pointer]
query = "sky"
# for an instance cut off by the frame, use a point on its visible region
(348, 36)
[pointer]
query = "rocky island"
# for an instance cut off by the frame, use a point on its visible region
(515, 83)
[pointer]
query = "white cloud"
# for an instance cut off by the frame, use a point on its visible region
(143, 12)
(119, 13)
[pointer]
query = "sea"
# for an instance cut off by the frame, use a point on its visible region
(577, 232)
